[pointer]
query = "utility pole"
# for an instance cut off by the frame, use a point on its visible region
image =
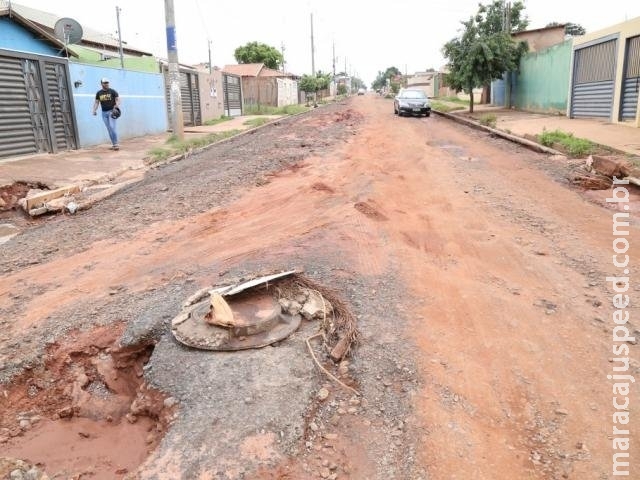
(335, 87)
(313, 61)
(507, 87)
(209, 42)
(175, 99)
(282, 49)
(119, 37)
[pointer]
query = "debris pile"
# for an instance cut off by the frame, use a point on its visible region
(38, 202)
(597, 172)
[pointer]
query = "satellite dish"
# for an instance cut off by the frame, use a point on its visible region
(68, 30)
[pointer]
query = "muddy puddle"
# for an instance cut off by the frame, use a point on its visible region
(86, 413)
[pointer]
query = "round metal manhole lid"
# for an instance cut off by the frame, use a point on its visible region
(258, 322)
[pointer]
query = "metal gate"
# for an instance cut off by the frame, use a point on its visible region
(232, 93)
(60, 113)
(190, 96)
(36, 114)
(594, 69)
(631, 80)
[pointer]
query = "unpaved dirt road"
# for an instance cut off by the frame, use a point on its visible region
(474, 270)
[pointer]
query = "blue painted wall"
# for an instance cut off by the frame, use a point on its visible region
(498, 88)
(144, 110)
(15, 37)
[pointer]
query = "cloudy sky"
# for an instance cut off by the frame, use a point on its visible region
(407, 34)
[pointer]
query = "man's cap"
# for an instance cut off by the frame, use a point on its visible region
(104, 80)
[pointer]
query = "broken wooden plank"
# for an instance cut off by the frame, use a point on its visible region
(40, 199)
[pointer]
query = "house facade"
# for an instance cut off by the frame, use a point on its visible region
(265, 86)
(605, 74)
(49, 87)
(36, 108)
(596, 75)
(425, 81)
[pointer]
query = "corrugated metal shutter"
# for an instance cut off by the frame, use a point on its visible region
(189, 95)
(593, 80)
(190, 99)
(232, 95)
(60, 106)
(16, 129)
(37, 104)
(631, 82)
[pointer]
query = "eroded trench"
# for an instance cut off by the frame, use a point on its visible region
(85, 413)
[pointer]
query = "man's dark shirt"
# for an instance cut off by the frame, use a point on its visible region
(107, 98)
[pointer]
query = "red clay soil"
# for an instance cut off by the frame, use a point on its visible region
(87, 413)
(503, 265)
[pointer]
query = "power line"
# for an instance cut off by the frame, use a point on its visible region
(204, 25)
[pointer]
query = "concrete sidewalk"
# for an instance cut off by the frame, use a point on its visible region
(100, 164)
(620, 137)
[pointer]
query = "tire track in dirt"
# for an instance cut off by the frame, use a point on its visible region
(500, 293)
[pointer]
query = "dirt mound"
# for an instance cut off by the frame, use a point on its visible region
(11, 194)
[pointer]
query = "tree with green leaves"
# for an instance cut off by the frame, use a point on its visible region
(381, 80)
(478, 56)
(485, 51)
(308, 84)
(497, 17)
(356, 84)
(323, 80)
(502, 17)
(574, 30)
(570, 29)
(313, 84)
(255, 52)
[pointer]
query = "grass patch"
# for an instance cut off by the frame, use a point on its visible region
(256, 122)
(268, 110)
(574, 146)
(488, 120)
(215, 121)
(453, 100)
(174, 147)
(445, 107)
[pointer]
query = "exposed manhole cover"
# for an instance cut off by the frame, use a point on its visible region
(256, 320)
(248, 316)
(262, 311)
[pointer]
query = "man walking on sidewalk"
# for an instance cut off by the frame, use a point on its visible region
(109, 101)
